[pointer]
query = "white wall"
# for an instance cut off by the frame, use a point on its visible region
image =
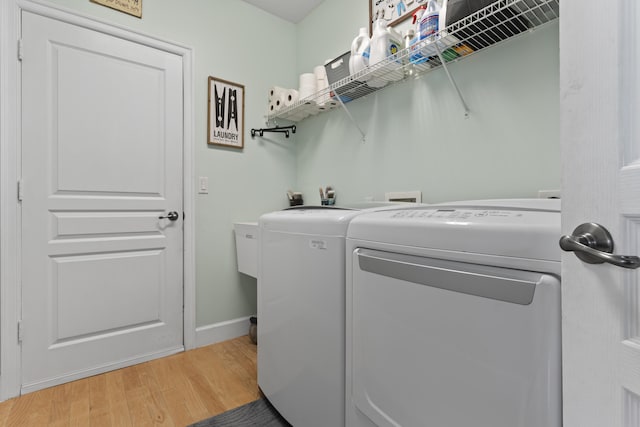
(416, 135)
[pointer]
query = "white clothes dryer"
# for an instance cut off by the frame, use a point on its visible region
(301, 293)
(453, 316)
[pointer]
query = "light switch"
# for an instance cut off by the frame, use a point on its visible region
(204, 185)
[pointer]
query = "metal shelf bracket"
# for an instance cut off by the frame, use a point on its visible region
(346, 110)
(452, 81)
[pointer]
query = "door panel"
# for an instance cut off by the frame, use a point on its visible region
(601, 182)
(102, 275)
(128, 114)
(89, 290)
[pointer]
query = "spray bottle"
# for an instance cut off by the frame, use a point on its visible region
(430, 20)
(417, 57)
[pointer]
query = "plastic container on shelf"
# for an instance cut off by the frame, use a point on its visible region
(427, 21)
(360, 52)
(430, 21)
(337, 70)
(385, 42)
(416, 57)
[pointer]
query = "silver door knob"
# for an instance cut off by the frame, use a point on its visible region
(593, 244)
(171, 216)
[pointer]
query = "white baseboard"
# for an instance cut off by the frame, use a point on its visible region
(205, 335)
(28, 388)
(223, 331)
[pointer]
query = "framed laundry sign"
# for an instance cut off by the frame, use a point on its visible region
(393, 12)
(132, 7)
(225, 113)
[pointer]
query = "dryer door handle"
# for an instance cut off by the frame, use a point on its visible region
(593, 244)
(513, 286)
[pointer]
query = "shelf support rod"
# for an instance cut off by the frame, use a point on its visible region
(346, 110)
(452, 81)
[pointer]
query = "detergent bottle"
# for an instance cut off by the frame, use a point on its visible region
(396, 44)
(384, 43)
(360, 52)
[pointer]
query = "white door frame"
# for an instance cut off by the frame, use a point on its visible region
(10, 225)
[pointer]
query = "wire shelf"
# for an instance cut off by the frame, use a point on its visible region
(494, 24)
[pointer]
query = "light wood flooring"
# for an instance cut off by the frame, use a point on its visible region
(173, 391)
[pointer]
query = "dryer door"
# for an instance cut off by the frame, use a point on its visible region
(441, 343)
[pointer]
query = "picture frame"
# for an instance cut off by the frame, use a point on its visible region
(131, 7)
(225, 113)
(394, 12)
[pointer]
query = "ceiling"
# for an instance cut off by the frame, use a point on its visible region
(290, 10)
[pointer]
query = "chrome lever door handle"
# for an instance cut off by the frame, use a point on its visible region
(593, 244)
(171, 216)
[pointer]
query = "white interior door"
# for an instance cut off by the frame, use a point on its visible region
(102, 274)
(600, 134)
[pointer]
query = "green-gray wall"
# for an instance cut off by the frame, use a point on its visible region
(417, 136)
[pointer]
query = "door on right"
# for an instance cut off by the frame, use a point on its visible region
(600, 140)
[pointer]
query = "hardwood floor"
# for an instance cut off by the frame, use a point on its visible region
(173, 391)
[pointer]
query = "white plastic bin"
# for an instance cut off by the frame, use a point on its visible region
(247, 247)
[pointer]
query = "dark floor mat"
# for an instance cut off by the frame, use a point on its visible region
(253, 414)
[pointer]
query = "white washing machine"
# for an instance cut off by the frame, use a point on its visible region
(301, 292)
(453, 316)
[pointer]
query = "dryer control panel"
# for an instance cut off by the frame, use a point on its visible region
(455, 213)
(518, 231)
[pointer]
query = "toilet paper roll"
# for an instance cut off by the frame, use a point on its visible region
(279, 99)
(272, 107)
(297, 117)
(291, 97)
(275, 91)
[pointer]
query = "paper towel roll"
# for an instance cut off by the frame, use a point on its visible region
(307, 80)
(320, 72)
(307, 90)
(291, 97)
(322, 83)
